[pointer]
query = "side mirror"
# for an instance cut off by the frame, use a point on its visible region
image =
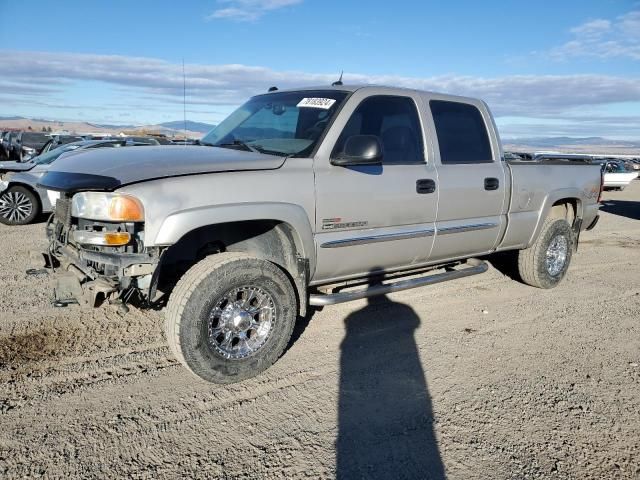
(360, 150)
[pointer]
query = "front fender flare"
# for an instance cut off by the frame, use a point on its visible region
(179, 223)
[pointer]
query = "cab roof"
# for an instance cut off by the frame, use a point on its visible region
(381, 89)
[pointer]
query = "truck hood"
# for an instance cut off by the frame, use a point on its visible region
(110, 168)
(16, 166)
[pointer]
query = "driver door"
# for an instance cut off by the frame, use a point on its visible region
(375, 217)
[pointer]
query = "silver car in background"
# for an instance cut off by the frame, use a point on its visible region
(21, 201)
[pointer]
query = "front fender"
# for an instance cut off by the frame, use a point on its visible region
(179, 223)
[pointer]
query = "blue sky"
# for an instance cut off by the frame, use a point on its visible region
(546, 68)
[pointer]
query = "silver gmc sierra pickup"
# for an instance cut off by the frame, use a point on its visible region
(299, 198)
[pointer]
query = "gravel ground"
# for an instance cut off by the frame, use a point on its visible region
(480, 378)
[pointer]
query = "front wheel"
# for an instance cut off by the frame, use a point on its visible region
(230, 317)
(18, 206)
(545, 263)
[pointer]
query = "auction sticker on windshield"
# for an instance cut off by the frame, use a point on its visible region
(324, 103)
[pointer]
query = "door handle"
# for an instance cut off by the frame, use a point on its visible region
(491, 183)
(425, 185)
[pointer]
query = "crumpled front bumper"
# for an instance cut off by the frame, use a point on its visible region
(78, 281)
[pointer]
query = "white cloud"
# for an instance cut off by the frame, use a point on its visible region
(248, 10)
(605, 39)
(44, 77)
(593, 28)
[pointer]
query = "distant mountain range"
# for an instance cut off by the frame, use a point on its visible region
(596, 145)
(194, 129)
(589, 145)
(554, 142)
(191, 126)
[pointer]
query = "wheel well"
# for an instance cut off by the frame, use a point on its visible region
(565, 208)
(270, 240)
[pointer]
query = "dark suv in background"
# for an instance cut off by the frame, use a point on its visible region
(5, 144)
(27, 144)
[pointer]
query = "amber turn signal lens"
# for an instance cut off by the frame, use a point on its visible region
(111, 239)
(125, 209)
(116, 238)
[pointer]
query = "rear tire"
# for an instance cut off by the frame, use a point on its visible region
(230, 317)
(18, 206)
(545, 263)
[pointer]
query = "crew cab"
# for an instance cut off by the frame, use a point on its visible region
(297, 199)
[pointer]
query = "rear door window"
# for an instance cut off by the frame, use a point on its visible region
(462, 133)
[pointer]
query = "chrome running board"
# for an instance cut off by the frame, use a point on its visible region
(476, 267)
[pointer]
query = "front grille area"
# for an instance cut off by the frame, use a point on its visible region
(63, 210)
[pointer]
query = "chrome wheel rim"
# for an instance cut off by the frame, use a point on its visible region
(557, 255)
(15, 206)
(240, 323)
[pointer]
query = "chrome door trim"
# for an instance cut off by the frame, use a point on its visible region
(386, 237)
(465, 228)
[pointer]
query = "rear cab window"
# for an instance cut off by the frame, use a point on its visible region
(462, 133)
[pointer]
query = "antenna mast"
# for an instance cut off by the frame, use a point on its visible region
(339, 82)
(184, 101)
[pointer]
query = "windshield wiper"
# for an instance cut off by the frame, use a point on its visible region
(253, 148)
(240, 143)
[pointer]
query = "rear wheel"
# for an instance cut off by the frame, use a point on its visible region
(545, 263)
(18, 206)
(230, 317)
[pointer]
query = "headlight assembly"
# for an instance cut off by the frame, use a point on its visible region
(107, 207)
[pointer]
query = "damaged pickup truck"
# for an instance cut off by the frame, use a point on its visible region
(300, 198)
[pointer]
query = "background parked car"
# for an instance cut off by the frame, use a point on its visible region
(27, 144)
(56, 140)
(7, 143)
(21, 200)
(4, 150)
(633, 164)
(616, 173)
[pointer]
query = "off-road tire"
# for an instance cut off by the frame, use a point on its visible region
(532, 261)
(197, 293)
(33, 199)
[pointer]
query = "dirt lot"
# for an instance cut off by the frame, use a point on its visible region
(479, 378)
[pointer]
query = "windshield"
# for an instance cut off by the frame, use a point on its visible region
(286, 124)
(612, 167)
(51, 155)
(34, 137)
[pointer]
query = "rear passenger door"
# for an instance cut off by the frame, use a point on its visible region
(471, 181)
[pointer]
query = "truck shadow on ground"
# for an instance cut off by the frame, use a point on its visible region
(622, 208)
(385, 417)
(506, 263)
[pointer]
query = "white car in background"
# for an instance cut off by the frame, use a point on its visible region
(616, 176)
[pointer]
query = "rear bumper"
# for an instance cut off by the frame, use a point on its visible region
(593, 224)
(590, 215)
